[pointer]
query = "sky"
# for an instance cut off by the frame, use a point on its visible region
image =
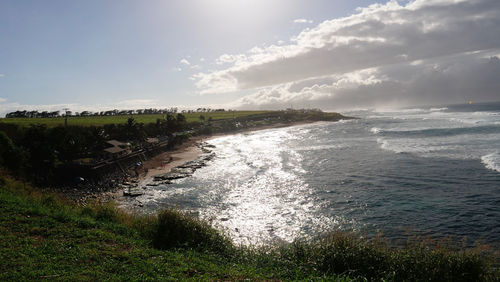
(247, 54)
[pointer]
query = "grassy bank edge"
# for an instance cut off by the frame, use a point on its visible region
(45, 236)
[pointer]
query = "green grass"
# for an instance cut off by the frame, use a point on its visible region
(121, 119)
(44, 237)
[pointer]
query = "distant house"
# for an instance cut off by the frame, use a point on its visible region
(117, 143)
(116, 149)
(152, 140)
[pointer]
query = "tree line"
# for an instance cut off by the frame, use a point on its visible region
(41, 153)
(115, 112)
(38, 152)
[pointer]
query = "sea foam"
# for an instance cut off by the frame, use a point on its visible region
(491, 161)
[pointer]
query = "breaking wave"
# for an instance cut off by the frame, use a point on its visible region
(491, 161)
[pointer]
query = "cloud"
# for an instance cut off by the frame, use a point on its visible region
(137, 103)
(188, 66)
(186, 63)
(303, 21)
(2, 75)
(226, 59)
(416, 39)
(449, 80)
(2, 100)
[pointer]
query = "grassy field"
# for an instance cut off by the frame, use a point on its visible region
(102, 120)
(44, 237)
(41, 237)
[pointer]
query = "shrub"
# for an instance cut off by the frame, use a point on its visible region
(374, 259)
(11, 156)
(174, 229)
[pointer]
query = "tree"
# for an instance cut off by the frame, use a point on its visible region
(11, 156)
(181, 121)
(42, 152)
(134, 130)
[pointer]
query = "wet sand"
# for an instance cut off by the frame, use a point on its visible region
(165, 161)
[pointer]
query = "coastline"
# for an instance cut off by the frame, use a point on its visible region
(189, 151)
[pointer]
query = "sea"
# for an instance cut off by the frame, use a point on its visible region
(427, 171)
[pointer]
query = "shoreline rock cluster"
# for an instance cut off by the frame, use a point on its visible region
(182, 171)
(84, 190)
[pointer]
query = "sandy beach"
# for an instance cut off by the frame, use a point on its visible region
(188, 151)
(165, 161)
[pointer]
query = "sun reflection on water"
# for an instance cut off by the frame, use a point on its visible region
(279, 184)
(263, 196)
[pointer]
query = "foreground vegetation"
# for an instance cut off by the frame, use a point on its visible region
(43, 236)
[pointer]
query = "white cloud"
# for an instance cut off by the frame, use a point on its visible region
(226, 59)
(2, 100)
(416, 38)
(303, 21)
(202, 59)
(186, 63)
(2, 75)
(137, 103)
(449, 80)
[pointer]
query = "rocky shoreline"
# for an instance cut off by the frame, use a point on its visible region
(160, 170)
(137, 188)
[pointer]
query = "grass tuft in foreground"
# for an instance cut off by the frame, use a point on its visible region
(43, 236)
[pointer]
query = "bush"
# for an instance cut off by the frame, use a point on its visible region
(375, 259)
(11, 156)
(106, 212)
(174, 229)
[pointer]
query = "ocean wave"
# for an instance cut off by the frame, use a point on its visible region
(491, 161)
(414, 110)
(399, 146)
(321, 147)
(438, 109)
(464, 118)
(438, 131)
(344, 121)
(383, 144)
(391, 146)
